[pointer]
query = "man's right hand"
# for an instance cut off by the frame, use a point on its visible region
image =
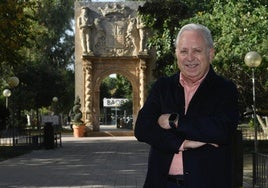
(189, 144)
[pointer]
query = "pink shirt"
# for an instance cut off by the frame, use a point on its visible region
(176, 166)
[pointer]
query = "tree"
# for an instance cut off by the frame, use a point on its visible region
(14, 34)
(239, 27)
(55, 44)
(46, 73)
(163, 17)
(38, 48)
(118, 87)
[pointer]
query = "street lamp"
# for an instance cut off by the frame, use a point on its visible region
(13, 81)
(54, 105)
(253, 60)
(55, 99)
(7, 93)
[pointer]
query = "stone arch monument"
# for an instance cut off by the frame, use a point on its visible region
(109, 38)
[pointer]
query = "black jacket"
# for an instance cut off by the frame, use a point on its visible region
(212, 117)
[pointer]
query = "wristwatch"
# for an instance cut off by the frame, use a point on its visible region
(172, 119)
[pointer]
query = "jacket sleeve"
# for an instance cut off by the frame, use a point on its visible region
(147, 129)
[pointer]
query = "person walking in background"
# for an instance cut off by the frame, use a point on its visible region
(189, 119)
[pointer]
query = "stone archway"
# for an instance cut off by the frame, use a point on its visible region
(111, 43)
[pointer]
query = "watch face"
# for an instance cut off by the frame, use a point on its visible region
(173, 117)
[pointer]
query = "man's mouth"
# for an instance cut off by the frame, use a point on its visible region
(191, 65)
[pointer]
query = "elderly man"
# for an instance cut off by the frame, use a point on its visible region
(189, 119)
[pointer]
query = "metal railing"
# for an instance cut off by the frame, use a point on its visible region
(15, 137)
(260, 170)
(27, 137)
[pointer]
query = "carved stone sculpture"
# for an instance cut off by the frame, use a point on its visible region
(85, 22)
(132, 33)
(142, 34)
(111, 30)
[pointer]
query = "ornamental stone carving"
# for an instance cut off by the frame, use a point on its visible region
(85, 22)
(110, 38)
(112, 30)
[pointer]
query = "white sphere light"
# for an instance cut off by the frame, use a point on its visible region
(7, 93)
(55, 99)
(253, 59)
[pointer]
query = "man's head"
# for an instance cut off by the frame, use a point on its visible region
(194, 51)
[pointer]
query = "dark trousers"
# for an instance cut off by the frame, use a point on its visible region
(175, 181)
(173, 185)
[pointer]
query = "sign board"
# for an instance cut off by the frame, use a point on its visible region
(50, 119)
(114, 102)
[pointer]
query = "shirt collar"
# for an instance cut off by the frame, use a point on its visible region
(184, 83)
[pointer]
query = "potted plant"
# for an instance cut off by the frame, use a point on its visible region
(79, 127)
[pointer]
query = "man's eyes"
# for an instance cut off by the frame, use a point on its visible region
(197, 51)
(183, 51)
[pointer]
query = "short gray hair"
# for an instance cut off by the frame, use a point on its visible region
(196, 27)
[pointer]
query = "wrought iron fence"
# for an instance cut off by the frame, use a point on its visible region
(28, 137)
(260, 170)
(15, 137)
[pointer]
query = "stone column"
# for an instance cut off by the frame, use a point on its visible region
(88, 94)
(142, 81)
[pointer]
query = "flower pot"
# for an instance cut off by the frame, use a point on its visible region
(79, 130)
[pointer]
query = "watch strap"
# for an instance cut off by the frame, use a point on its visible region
(172, 125)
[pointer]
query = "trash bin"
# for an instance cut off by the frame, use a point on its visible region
(49, 136)
(35, 140)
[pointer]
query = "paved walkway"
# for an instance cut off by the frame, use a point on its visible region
(91, 162)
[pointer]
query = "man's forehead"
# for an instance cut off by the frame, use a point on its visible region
(188, 37)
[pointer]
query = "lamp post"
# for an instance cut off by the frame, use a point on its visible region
(54, 105)
(13, 82)
(253, 60)
(6, 94)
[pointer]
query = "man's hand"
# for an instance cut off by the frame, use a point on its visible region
(164, 122)
(189, 144)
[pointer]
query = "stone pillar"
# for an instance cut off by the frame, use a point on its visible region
(142, 81)
(88, 93)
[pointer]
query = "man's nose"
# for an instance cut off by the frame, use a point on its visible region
(190, 56)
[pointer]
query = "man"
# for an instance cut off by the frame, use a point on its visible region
(189, 119)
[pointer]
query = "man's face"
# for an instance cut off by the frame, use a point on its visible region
(193, 55)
